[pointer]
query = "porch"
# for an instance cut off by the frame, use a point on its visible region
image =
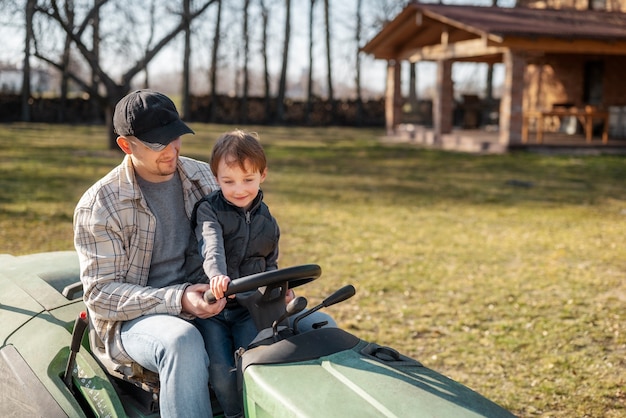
(486, 141)
(550, 58)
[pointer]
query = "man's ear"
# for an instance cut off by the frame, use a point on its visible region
(124, 144)
(263, 175)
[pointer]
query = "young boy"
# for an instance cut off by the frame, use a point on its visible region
(237, 237)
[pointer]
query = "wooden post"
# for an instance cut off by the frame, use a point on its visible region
(443, 103)
(511, 104)
(393, 97)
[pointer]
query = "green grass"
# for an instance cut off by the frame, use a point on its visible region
(517, 292)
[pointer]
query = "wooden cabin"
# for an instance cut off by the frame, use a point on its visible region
(563, 62)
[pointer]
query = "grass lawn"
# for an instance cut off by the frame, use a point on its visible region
(504, 272)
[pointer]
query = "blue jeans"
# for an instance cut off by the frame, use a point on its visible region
(223, 334)
(173, 348)
(226, 332)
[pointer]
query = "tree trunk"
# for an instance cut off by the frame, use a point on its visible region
(151, 13)
(266, 70)
(185, 101)
(95, 36)
(309, 92)
(213, 70)
(357, 76)
(29, 12)
(246, 57)
(65, 80)
(413, 87)
(329, 66)
(65, 65)
(489, 84)
(282, 86)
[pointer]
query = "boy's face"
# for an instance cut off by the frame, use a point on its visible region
(239, 187)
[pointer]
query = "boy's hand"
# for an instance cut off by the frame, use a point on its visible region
(289, 296)
(219, 285)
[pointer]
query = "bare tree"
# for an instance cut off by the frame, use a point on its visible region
(30, 11)
(489, 84)
(246, 58)
(413, 86)
(282, 84)
(329, 63)
(149, 40)
(95, 41)
(264, 53)
(186, 57)
(213, 69)
(357, 73)
(136, 32)
(65, 65)
(309, 93)
(383, 13)
(114, 89)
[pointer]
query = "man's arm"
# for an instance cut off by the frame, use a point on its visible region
(114, 288)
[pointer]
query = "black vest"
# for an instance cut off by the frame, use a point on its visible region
(249, 236)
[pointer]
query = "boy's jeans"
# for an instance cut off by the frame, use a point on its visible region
(223, 334)
(226, 332)
(174, 348)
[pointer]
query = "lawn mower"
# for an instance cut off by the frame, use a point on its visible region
(50, 367)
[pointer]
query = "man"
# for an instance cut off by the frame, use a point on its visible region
(139, 263)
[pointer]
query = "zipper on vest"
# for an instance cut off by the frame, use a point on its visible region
(248, 217)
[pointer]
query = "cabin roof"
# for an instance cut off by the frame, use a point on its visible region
(422, 25)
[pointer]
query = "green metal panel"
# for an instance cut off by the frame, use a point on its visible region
(37, 322)
(16, 307)
(350, 384)
(44, 275)
(44, 344)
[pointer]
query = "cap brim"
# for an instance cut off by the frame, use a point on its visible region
(159, 138)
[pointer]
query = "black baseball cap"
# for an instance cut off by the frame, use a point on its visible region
(149, 116)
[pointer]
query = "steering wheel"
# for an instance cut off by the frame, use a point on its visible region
(294, 276)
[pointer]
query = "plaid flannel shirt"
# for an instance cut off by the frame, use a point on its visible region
(114, 236)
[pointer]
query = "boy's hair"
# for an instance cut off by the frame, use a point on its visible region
(238, 146)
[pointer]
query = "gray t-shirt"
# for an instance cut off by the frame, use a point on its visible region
(173, 231)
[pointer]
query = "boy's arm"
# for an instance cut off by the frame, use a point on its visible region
(210, 241)
(271, 261)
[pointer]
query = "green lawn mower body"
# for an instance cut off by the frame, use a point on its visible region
(325, 372)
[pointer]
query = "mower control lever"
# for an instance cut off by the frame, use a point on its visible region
(297, 305)
(80, 324)
(340, 295)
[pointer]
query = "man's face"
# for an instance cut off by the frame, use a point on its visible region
(154, 166)
(239, 187)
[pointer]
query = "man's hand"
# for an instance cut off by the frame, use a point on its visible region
(194, 304)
